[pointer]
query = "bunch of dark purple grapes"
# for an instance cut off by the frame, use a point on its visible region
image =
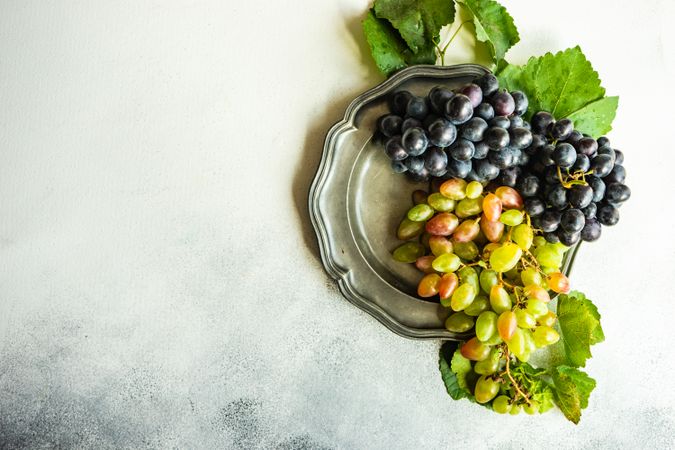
(572, 183)
(473, 132)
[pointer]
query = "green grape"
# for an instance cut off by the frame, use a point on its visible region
(489, 365)
(544, 336)
(462, 297)
(474, 350)
(474, 189)
(536, 307)
(549, 271)
(454, 188)
(488, 278)
(548, 319)
(469, 207)
(525, 319)
(494, 340)
(440, 202)
(409, 252)
(469, 275)
(466, 250)
(479, 304)
(528, 338)
(501, 404)
(486, 325)
(459, 322)
(447, 262)
(409, 229)
(486, 389)
(500, 300)
(511, 217)
(440, 245)
(513, 275)
(547, 255)
(420, 213)
(531, 276)
(517, 343)
(515, 410)
(523, 236)
(532, 408)
(539, 241)
(505, 257)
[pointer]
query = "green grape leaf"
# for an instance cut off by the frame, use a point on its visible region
(596, 118)
(572, 390)
(418, 21)
(580, 327)
(566, 85)
(385, 44)
(534, 381)
(494, 26)
(454, 371)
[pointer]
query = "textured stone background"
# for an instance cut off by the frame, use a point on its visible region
(159, 281)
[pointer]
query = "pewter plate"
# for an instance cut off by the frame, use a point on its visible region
(356, 203)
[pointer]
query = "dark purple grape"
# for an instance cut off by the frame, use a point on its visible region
(503, 159)
(608, 214)
(496, 138)
(488, 84)
(458, 169)
(572, 220)
(398, 167)
(428, 120)
(574, 137)
(586, 146)
(516, 121)
(503, 103)
(485, 169)
(534, 206)
(598, 187)
(500, 121)
(590, 211)
(481, 150)
(546, 155)
(618, 154)
(435, 160)
(394, 149)
(458, 109)
(410, 122)
(568, 238)
(617, 175)
(551, 176)
(415, 164)
(485, 111)
(561, 129)
(582, 164)
(473, 176)
(557, 197)
(417, 108)
(520, 137)
(422, 175)
(474, 129)
(605, 150)
(528, 186)
(438, 97)
(603, 141)
(591, 231)
(552, 237)
(580, 196)
(520, 101)
(415, 141)
(389, 125)
(509, 177)
(549, 220)
(522, 158)
(398, 103)
(538, 141)
(462, 150)
(564, 155)
(617, 193)
(442, 133)
(602, 165)
(541, 121)
(474, 92)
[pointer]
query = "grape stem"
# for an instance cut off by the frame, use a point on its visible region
(452, 38)
(513, 381)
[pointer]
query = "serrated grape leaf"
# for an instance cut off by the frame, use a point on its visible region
(418, 21)
(455, 384)
(596, 118)
(580, 327)
(385, 44)
(426, 55)
(566, 85)
(494, 26)
(572, 390)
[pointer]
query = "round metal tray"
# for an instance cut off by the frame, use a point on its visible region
(356, 203)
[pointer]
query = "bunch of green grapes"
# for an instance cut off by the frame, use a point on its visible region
(484, 261)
